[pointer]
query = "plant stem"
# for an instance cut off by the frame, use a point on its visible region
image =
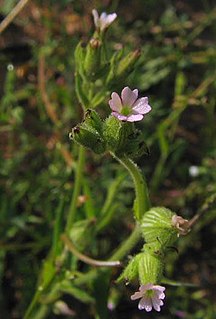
(122, 250)
(142, 202)
(77, 187)
(127, 245)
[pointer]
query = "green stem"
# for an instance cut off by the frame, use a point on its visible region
(122, 251)
(77, 187)
(142, 202)
(127, 245)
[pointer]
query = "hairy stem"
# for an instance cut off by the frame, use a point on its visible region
(142, 202)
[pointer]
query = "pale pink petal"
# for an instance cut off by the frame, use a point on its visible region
(157, 287)
(120, 116)
(96, 17)
(137, 295)
(145, 303)
(141, 106)
(156, 303)
(115, 102)
(160, 294)
(146, 287)
(128, 96)
(134, 117)
(103, 16)
(110, 18)
(161, 302)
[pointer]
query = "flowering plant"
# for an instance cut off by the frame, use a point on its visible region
(114, 133)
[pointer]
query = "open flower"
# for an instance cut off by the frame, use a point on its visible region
(151, 296)
(104, 20)
(128, 107)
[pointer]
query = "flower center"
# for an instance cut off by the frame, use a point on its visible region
(126, 110)
(149, 293)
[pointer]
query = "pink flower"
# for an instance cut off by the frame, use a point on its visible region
(104, 20)
(128, 107)
(151, 296)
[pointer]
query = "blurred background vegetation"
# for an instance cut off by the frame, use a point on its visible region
(38, 107)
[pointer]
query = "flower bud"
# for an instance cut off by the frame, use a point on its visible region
(157, 226)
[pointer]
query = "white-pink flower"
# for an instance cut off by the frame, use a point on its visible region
(104, 20)
(151, 297)
(128, 107)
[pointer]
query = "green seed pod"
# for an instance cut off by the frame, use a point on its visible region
(156, 225)
(93, 121)
(111, 131)
(88, 138)
(126, 65)
(93, 58)
(79, 55)
(131, 270)
(150, 268)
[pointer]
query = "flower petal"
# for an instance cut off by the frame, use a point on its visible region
(96, 17)
(120, 116)
(110, 18)
(143, 288)
(141, 106)
(145, 303)
(115, 102)
(136, 295)
(134, 117)
(157, 287)
(128, 96)
(156, 303)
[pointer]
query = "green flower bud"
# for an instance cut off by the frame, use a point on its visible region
(89, 138)
(156, 225)
(150, 268)
(93, 57)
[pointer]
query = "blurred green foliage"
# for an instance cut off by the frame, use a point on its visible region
(38, 107)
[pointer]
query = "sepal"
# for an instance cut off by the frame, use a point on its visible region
(156, 225)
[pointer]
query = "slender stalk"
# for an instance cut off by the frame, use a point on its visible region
(86, 259)
(121, 251)
(142, 202)
(77, 187)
